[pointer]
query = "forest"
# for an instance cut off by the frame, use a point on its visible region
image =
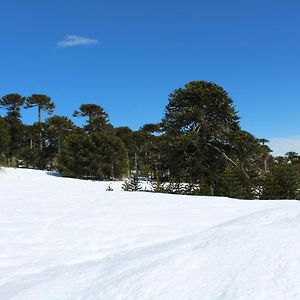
(198, 148)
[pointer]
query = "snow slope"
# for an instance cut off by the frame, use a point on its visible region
(68, 239)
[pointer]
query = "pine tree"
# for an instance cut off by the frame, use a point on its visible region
(281, 182)
(158, 187)
(135, 183)
(132, 184)
(109, 188)
(126, 186)
(234, 184)
(93, 156)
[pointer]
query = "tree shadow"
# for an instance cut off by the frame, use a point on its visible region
(53, 173)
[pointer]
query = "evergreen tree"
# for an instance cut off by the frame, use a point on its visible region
(97, 118)
(13, 103)
(42, 102)
(132, 184)
(235, 184)
(4, 141)
(203, 108)
(158, 187)
(96, 156)
(292, 157)
(73, 160)
(282, 182)
(57, 129)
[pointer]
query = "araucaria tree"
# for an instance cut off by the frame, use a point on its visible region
(198, 148)
(97, 117)
(13, 103)
(205, 109)
(202, 118)
(42, 102)
(96, 156)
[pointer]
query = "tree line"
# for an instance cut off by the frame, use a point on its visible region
(198, 147)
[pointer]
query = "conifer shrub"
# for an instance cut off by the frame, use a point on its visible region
(109, 188)
(132, 184)
(96, 156)
(281, 182)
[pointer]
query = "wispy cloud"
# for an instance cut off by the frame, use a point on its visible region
(282, 145)
(76, 40)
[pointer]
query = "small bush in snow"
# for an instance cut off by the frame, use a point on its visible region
(132, 184)
(109, 188)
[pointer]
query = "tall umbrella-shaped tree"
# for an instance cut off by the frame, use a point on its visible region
(42, 102)
(97, 118)
(13, 103)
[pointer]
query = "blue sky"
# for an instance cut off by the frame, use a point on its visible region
(129, 55)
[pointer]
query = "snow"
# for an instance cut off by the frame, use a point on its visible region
(70, 239)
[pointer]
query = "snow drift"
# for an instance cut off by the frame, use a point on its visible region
(69, 239)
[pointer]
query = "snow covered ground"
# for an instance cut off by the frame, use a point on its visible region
(68, 239)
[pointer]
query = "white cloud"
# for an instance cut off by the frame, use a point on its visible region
(282, 145)
(76, 40)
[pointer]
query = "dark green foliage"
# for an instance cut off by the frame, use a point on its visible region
(4, 138)
(58, 128)
(109, 188)
(201, 117)
(13, 125)
(97, 118)
(135, 183)
(234, 184)
(158, 187)
(132, 184)
(110, 152)
(96, 156)
(73, 160)
(36, 158)
(42, 102)
(150, 128)
(12, 103)
(197, 149)
(143, 150)
(202, 107)
(126, 186)
(282, 182)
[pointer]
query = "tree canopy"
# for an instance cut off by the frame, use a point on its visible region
(198, 147)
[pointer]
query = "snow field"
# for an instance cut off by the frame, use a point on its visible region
(70, 239)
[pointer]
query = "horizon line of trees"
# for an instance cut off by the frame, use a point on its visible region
(199, 142)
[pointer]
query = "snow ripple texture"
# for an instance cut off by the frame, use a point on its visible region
(68, 239)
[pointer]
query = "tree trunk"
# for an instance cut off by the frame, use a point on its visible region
(227, 158)
(135, 163)
(112, 173)
(40, 121)
(40, 114)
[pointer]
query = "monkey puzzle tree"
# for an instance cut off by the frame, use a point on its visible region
(205, 109)
(13, 103)
(97, 117)
(97, 156)
(42, 102)
(4, 139)
(57, 129)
